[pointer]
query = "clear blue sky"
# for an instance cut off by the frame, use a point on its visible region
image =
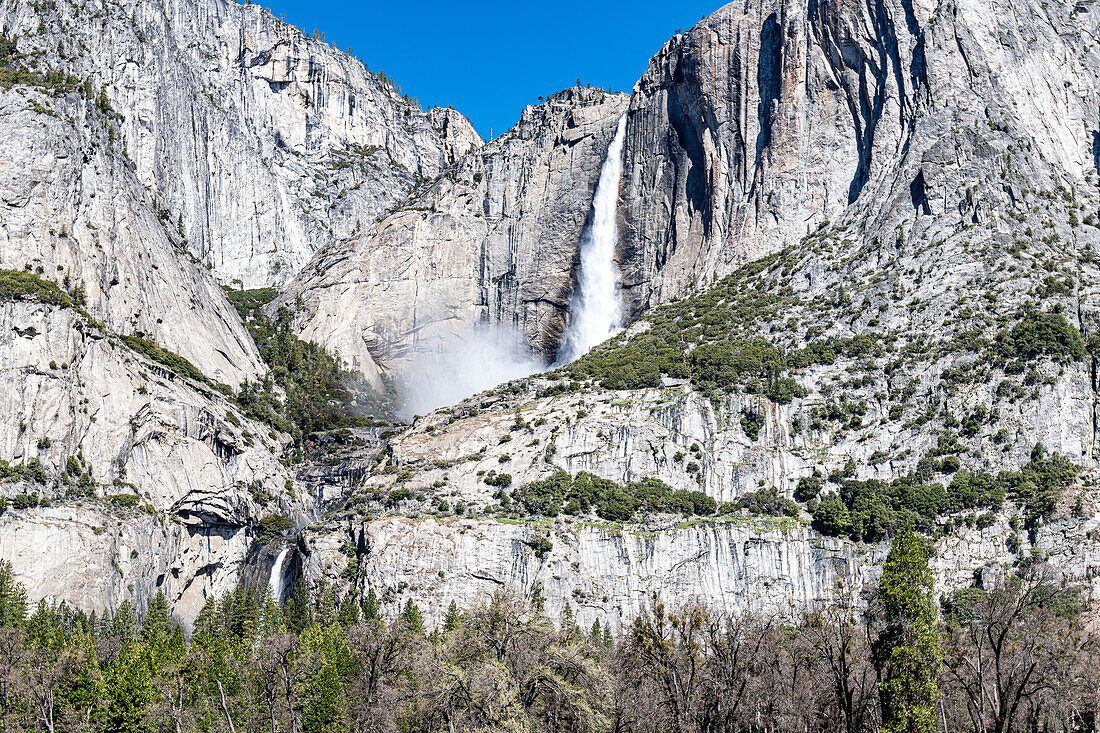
(491, 58)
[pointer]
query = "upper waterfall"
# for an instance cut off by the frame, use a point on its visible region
(595, 310)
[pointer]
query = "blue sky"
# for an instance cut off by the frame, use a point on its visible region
(489, 59)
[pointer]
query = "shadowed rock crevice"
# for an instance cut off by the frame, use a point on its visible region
(769, 82)
(919, 194)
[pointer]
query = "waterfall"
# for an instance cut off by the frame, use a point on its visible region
(275, 582)
(595, 312)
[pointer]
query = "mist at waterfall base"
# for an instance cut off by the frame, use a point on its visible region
(489, 355)
(478, 359)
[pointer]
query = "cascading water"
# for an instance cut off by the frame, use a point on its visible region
(595, 311)
(275, 582)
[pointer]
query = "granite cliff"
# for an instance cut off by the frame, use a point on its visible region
(259, 142)
(857, 244)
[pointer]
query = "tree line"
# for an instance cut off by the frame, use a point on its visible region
(1011, 654)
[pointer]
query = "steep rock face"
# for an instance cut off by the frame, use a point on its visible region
(768, 118)
(611, 572)
(492, 241)
(260, 142)
(72, 209)
(94, 558)
(606, 573)
(196, 473)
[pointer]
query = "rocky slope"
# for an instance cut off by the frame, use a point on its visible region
(259, 143)
(124, 477)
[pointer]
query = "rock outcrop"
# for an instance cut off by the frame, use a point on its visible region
(73, 210)
(259, 143)
(607, 573)
(493, 241)
(769, 118)
(135, 459)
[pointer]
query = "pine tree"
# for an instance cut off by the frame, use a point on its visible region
(907, 651)
(128, 689)
(13, 597)
(453, 619)
(206, 624)
(538, 600)
(157, 624)
(271, 614)
(44, 627)
(327, 606)
(323, 699)
(124, 622)
(596, 634)
(349, 612)
(568, 621)
(297, 613)
(243, 608)
(370, 606)
(412, 618)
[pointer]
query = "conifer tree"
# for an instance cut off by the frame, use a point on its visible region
(297, 614)
(907, 651)
(348, 615)
(453, 619)
(371, 607)
(206, 623)
(568, 621)
(128, 688)
(538, 599)
(124, 622)
(412, 617)
(271, 614)
(327, 606)
(13, 597)
(157, 624)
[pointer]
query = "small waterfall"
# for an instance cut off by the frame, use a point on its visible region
(275, 582)
(595, 312)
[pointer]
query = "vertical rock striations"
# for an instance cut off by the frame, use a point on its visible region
(259, 142)
(770, 117)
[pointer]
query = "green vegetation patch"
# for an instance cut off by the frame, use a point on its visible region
(615, 502)
(24, 286)
(170, 359)
(874, 510)
(14, 70)
(312, 378)
(272, 527)
(713, 340)
(1042, 334)
(250, 303)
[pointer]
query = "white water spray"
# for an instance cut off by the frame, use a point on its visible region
(469, 362)
(275, 582)
(595, 311)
